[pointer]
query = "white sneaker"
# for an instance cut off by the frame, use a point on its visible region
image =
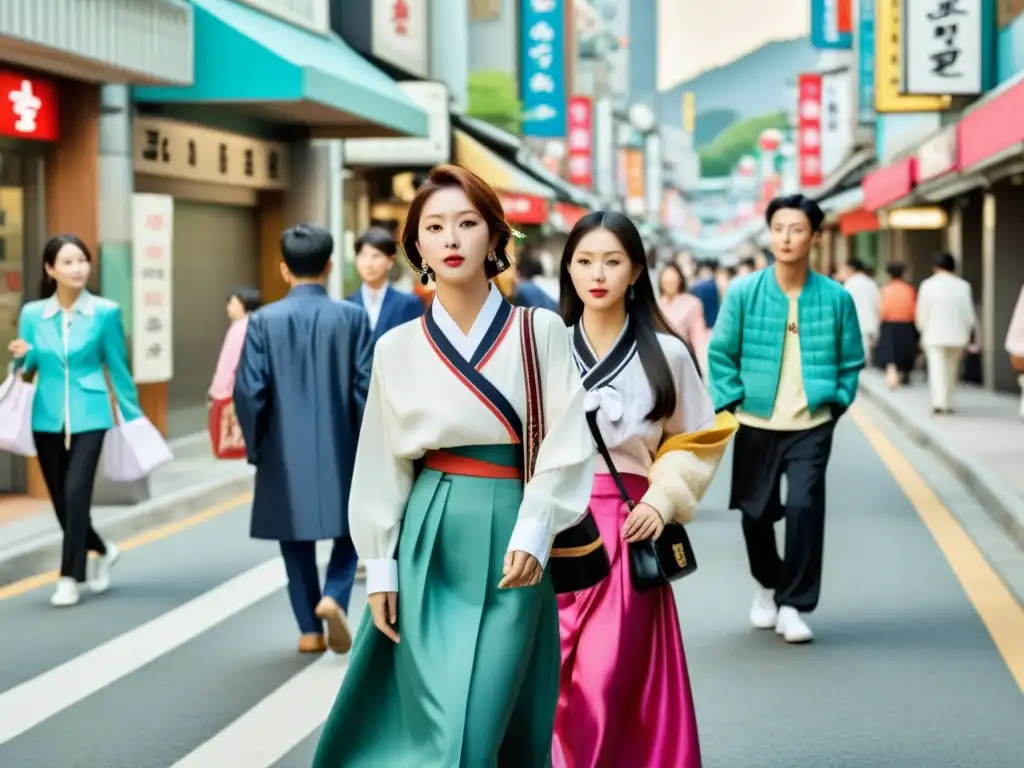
(792, 626)
(763, 613)
(66, 593)
(99, 578)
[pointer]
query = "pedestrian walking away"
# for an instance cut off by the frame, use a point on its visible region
(785, 355)
(455, 664)
(299, 395)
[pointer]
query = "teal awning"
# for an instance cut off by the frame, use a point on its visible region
(282, 73)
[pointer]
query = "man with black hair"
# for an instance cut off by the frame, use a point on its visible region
(705, 288)
(785, 355)
(299, 394)
(945, 318)
(386, 307)
(747, 265)
(528, 293)
(867, 297)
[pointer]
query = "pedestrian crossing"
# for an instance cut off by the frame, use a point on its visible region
(190, 661)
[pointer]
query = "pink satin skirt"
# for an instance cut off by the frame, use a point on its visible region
(625, 698)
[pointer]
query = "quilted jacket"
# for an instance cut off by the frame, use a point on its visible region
(745, 353)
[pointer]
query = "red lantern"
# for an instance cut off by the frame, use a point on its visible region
(770, 140)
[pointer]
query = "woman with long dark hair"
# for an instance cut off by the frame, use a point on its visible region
(440, 512)
(69, 337)
(622, 650)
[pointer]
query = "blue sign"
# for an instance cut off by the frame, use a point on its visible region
(866, 63)
(825, 32)
(543, 68)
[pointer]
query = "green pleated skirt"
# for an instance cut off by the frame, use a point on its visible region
(474, 681)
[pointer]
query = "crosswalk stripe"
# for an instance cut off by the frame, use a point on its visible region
(278, 723)
(26, 705)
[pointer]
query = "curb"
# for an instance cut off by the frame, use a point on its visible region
(1003, 505)
(41, 553)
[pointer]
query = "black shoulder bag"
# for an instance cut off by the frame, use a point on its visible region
(652, 563)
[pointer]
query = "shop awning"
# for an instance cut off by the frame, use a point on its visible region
(848, 173)
(890, 184)
(992, 131)
(495, 170)
(267, 68)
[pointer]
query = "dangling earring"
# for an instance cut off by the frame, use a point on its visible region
(499, 261)
(631, 291)
(424, 272)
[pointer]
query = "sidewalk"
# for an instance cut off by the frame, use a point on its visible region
(30, 538)
(982, 441)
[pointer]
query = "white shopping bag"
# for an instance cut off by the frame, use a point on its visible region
(132, 450)
(16, 416)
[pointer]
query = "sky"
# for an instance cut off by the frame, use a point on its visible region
(696, 35)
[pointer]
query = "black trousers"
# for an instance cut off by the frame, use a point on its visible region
(70, 475)
(760, 461)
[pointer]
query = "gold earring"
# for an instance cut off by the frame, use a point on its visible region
(424, 272)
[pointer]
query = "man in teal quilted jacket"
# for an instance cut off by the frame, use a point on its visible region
(785, 357)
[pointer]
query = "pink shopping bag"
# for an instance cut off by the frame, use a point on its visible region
(16, 397)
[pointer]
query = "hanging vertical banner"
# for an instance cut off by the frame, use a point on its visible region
(836, 120)
(844, 17)
(581, 142)
(152, 259)
(889, 96)
(866, 61)
(809, 129)
(942, 48)
(543, 68)
(825, 27)
(633, 160)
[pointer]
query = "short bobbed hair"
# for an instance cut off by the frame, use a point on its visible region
(483, 198)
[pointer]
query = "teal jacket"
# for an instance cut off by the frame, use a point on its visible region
(745, 353)
(73, 385)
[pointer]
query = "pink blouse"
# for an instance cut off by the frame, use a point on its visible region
(223, 386)
(686, 315)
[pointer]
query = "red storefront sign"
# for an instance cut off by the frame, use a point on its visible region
(809, 129)
(844, 16)
(889, 184)
(581, 142)
(570, 213)
(28, 107)
(524, 209)
(858, 221)
(992, 128)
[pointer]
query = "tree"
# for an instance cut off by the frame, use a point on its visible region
(719, 158)
(494, 98)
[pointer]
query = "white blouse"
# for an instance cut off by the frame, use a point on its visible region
(419, 401)
(622, 397)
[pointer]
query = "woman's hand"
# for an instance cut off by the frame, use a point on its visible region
(19, 347)
(521, 570)
(643, 523)
(384, 609)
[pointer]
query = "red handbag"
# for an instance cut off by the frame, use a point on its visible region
(225, 433)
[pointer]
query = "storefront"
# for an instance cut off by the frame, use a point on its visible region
(50, 81)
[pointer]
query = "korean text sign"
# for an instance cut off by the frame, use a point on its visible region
(152, 252)
(942, 47)
(581, 142)
(866, 61)
(28, 107)
(809, 129)
(543, 68)
(830, 24)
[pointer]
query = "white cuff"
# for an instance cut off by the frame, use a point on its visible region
(532, 537)
(381, 575)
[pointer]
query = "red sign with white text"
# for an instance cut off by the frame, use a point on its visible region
(524, 209)
(844, 17)
(580, 128)
(28, 107)
(808, 139)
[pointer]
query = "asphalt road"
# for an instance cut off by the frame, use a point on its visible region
(189, 660)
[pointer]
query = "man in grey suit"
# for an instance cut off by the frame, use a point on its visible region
(299, 394)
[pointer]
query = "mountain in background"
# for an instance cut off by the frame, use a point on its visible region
(760, 83)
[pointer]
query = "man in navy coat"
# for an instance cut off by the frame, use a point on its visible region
(385, 306)
(299, 393)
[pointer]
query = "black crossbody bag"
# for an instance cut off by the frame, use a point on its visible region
(652, 563)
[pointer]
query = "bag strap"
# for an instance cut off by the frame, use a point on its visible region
(534, 430)
(603, 450)
(16, 367)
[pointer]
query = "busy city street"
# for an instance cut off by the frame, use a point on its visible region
(189, 661)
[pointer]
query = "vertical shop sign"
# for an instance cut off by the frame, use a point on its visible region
(809, 129)
(827, 21)
(581, 142)
(866, 61)
(942, 48)
(152, 260)
(400, 32)
(889, 93)
(543, 69)
(28, 107)
(633, 160)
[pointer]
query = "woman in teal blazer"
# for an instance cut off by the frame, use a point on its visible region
(73, 340)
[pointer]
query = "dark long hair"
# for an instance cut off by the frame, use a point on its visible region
(642, 309)
(47, 285)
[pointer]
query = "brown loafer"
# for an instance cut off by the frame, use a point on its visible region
(312, 643)
(339, 636)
